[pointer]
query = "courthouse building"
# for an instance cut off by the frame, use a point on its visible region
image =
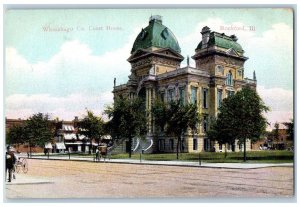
(156, 73)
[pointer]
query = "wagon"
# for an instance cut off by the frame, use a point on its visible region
(21, 163)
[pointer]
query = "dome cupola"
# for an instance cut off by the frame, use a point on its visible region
(155, 35)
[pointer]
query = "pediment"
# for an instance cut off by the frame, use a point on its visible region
(167, 52)
(232, 51)
(138, 53)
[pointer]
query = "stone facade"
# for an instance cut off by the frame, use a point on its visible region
(156, 74)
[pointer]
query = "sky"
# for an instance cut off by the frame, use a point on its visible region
(62, 62)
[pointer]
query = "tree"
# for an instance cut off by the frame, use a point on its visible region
(290, 129)
(177, 117)
(240, 118)
(160, 114)
(38, 130)
(92, 127)
(127, 119)
(218, 128)
(16, 135)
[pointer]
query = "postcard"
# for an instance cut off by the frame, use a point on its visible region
(144, 103)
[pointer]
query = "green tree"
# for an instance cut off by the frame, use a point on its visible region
(218, 128)
(16, 135)
(127, 119)
(240, 118)
(177, 117)
(290, 129)
(38, 130)
(92, 127)
(160, 114)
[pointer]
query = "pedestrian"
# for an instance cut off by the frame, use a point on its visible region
(97, 154)
(10, 162)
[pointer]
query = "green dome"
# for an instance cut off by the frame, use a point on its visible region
(155, 35)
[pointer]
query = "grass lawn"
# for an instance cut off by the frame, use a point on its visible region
(253, 157)
(212, 157)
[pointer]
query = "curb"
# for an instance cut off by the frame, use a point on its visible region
(29, 183)
(157, 164)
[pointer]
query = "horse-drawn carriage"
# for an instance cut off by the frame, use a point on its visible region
(102, 151)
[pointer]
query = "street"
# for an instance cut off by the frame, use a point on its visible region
(75, 179)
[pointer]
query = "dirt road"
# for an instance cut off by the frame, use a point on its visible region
(71, 179)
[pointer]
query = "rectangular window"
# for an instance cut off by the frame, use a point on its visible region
(240, 73)
(181, 95)
(220, 147)
(161, 144)
(162, 97)
(171, 95)
(206, 145)
(194, 95)
(219, 96)
(195, 144)
(240, 146)
(205, 92)
(230, 93)
(171, 144)
(229, 79)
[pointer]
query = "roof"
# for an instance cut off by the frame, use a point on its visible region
(155, 35)
(222, 40)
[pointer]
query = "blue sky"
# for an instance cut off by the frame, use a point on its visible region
(64, 72)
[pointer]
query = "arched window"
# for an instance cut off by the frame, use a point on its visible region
(220, 69)
(229, 80)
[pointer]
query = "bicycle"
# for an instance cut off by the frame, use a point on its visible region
(21, 163)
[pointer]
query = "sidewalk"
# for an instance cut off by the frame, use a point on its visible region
(23, 179)
(171, 163)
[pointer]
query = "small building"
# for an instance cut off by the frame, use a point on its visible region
(66, 138)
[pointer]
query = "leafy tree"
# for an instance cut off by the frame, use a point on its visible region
(16, 135)
(218, 128)
(177, 117)
(38, 130)
(290, 129)
(240, 118)
(92, 127)
(127, 119)
(160, 114)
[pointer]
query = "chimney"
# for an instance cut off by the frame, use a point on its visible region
(254, 76)
(205, 36)
(234, 38)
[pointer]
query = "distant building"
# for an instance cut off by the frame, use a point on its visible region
(156, 73)
(281, 142)
(66, 137)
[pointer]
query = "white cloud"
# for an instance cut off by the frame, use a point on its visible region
(23, 106)
(270, 53)
(280, 102)
(66, 84)
(74, 68)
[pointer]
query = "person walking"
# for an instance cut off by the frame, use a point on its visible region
(10, 161)
(97, 154)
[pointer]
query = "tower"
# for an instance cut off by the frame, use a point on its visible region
(223, 58)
